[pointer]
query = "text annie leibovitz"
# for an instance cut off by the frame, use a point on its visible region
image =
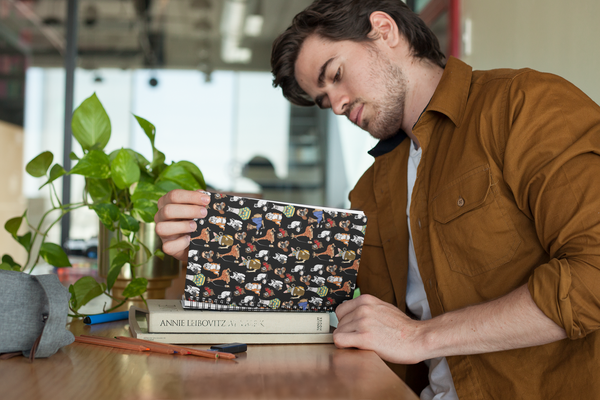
(223, 323)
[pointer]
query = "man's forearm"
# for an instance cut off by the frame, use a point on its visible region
(510, 322)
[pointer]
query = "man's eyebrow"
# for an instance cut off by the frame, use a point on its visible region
(321, 80)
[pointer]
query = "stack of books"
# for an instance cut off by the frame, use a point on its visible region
(166, 321)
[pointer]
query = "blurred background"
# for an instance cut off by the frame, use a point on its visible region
(199, 70)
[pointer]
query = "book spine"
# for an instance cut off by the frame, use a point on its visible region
(238, 322)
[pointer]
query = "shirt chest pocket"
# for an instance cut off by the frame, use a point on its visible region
(475, 233)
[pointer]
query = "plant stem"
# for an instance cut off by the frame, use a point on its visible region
(64, 210)
(80, 315)
(53, 190)
(144, 300)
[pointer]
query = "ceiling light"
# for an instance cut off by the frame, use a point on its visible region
(232, 53)
(254, 24)
(232, 22)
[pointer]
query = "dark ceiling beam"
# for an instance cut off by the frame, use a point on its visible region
(13, 39)
(93, 53)
(50, 34)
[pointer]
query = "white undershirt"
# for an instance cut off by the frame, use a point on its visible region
(441, 386)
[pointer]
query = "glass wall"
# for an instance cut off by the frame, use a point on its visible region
(239, 130)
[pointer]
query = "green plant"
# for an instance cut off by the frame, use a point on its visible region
(122, 188)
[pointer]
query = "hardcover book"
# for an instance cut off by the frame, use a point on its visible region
(259, 255)
(166, 316)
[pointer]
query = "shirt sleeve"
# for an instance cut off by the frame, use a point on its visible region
(552, 164)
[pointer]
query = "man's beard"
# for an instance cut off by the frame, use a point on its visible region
(390, 112)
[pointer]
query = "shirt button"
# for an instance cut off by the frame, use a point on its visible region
(460, 202)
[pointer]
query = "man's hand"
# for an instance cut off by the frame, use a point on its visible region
(371, 324)
(509, 322)
(175, 220)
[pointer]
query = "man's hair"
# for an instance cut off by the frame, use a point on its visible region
(339, 20)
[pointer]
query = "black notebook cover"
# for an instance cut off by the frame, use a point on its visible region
(250, 254)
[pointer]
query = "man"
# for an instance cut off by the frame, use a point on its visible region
(482, 205)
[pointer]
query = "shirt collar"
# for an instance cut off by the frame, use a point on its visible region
(451, 95)
(385, 146)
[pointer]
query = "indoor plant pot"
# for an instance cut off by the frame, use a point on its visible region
(158, 272)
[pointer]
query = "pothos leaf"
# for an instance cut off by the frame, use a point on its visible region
(116, 264)
(91, 125)
(124, 169)
(6, 267)
(195, 171)
(6, 259)
(128, 223)
(12, 225)
(40, 164)
(158, 253)
(54, 255)
(108, 214)
(136, 287)
(25, 240)
(144, 210)
(148, 128)
(179, 174)
(94, 164)
(99, 189)
(56, 172)
(84, 290)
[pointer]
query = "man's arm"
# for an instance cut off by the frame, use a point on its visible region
(510, 322)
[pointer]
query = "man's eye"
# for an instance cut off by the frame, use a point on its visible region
(336, 78)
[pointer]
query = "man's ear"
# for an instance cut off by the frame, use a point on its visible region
(385, 28)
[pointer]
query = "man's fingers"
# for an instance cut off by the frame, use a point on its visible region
(179, 211)
(171, 229)
(182, 256)
(180, 196)
(177, 248)
(359, 320)
(349, 306)
(174, 219)
(351, 339)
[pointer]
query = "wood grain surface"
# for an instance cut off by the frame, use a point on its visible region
(88, 372)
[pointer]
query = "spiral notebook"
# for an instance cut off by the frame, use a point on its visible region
(261, 255)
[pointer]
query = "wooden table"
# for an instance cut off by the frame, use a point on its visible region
(87, 372)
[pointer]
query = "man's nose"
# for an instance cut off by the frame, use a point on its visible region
(340, 103)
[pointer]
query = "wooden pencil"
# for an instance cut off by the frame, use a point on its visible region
(108, 343)
(180, 349)
(152, 346)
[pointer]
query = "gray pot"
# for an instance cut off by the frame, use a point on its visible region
(159, 273)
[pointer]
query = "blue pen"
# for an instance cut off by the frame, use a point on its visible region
(97, 319)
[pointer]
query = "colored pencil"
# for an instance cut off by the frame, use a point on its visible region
(180, 349)
(109, 343)
(152, 346)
